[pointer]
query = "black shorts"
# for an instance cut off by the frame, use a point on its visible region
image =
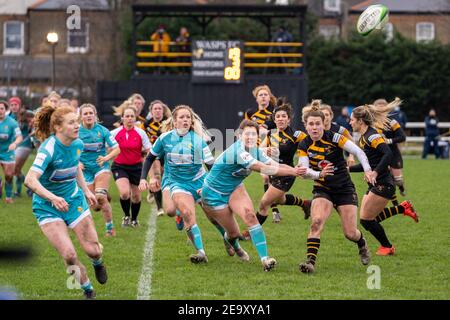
(345, 196)
(397, 159)
(132, 173)
(282, 183)
(383, 189)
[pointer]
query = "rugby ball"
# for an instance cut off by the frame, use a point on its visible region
(374, 17)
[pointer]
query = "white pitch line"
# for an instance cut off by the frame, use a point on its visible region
(145, 281)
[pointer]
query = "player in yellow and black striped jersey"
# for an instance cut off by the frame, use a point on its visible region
(262, 116)
(394, 135)
(281, 145)
(333, 126)
(322, 149)
(381, 188)
(158, 112)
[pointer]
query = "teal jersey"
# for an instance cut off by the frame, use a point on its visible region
(232, 167)
(26, 142)
(13, 116)
(184, 155)
(9, 131)
(95, 141)
(58, 166)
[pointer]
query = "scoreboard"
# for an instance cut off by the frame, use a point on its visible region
(217, 61)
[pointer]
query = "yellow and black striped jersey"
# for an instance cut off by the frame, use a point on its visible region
(287, 143)
(262, 117)
(341, 130)
(151, 128)
(395, 133)
(373, 143)
(327, 150)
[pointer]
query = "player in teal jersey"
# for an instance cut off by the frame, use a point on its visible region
(186, 151)
(10, 137)
(223, 192)
(60, 193)
(94, 161)
(25, 120)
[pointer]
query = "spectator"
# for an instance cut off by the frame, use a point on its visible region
(184, 46)
(431, 134)
(344, 119)
(283, 36)
(184, 40)
(162, 39)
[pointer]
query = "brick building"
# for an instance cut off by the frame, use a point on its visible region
(82, 54)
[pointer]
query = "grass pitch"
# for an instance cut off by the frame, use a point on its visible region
(420, 268)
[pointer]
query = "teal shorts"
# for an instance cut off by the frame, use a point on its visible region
(91, 173)
(8, 157)
(213, 199)
(188, 187)
(45, 213)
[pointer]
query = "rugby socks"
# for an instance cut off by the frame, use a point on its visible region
(261, 218)
(394, 200)
(312, 248)
(19, 182)
(87, 286)
(195, 236)
(389, 212)
(8, 188)
(398, 180)
(135, 207)
(215, 224)
(361, 242)
(259, 240)
(126, 206)
(292, 200)
(158, 199)
(97, 262)
(109, 226)
(375, 228)
(233, 241)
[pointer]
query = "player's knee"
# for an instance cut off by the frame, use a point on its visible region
(9, 177)
(124, 194)
(135, 198)
(70, 257)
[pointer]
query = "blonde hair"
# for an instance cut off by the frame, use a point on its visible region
(118, 111)
(136, 96)
(88, 105)
(47, 118)
(324, 106)
(166, 111)
(197, 124)
(376, 116)
(64, 103)
(312, 110)
(54, 94)
(273, 99)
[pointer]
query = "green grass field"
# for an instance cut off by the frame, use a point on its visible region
(419, 270)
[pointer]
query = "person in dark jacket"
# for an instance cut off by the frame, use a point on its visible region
(431, 134)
